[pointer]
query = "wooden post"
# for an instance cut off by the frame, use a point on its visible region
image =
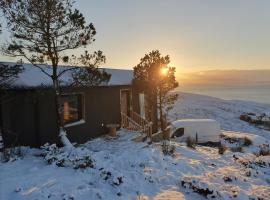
(1, 143)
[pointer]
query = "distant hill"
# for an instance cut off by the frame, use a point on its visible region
(225, 78)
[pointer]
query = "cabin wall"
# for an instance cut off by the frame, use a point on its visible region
(102, 106)
(22, 121)
(30, 115)
(45, 118)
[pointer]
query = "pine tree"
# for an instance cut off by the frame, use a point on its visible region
(43, 31)
(157, 80)
(7, 76)
(8, 73)
(90, 75)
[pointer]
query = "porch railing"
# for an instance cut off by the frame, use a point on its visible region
(136, 123)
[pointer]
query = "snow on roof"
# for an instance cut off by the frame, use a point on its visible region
(120, 76)
(34, 77)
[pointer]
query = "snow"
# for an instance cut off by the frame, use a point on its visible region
(124, 169)
(33, 77)
(256, 139)
(75, 123)
(225, 112)
(65, 141)
(238, 137)
(120, 76)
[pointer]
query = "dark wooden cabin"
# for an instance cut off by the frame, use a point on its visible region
(28, 114)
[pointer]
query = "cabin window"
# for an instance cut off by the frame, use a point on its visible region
(71, 108)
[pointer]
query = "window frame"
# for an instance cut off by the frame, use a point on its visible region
(82, 103)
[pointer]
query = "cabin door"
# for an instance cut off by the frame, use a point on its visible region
(142, 105)
(125, 102)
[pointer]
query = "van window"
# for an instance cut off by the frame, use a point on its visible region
(179, 132)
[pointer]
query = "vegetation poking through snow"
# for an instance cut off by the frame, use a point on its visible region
(261, 121)
(264, 150)
(77, 158)
(168, 148)
(236, 149)
(114, 180)
(231, 139)
(247, 141)
(225, 182)
(137, 169)
(12, 154)
(198, 187)
(191, 143)
(236, 142)
(222, 149)
(256, 163)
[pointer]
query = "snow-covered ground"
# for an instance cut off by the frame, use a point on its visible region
(226, 112)
(124, 169)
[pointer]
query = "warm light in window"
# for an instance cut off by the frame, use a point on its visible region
(66, 111)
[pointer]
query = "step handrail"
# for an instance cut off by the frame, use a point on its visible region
(137, 123)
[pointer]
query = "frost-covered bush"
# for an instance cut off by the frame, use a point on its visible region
(237, 149)
(261, 120)
(199, 187)
(260, 161)
(247, 141)
(235, 142)
(12, 154)
(77, 158)
(113, 178)
(191, 142)
(167, 148)
(264, 150)
(222, 149)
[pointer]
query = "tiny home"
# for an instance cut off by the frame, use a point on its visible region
(28, 115)
(202, 130)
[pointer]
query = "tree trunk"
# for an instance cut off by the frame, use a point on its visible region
(154, 112)
(161, 113)
(60, 124)
(57, 103)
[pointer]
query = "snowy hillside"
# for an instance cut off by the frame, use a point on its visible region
(126, 170)
(226, 112)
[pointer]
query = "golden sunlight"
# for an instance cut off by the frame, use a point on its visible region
(164, 71)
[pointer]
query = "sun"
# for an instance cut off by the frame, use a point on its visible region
(164, 71)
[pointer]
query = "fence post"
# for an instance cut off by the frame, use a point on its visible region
(1, 142)
(1, 145)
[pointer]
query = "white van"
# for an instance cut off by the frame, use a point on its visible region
(202, 130)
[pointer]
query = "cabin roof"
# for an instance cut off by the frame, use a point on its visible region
(33, 77)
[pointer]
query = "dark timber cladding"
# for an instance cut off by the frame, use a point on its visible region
(29, 115)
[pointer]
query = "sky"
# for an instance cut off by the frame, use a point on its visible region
(198, 35)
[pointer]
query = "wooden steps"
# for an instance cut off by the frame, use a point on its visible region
(135, 122)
